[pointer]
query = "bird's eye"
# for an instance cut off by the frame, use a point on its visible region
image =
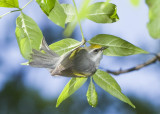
(96, 51)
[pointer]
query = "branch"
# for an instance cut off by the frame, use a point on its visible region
(149, 62)
(83, 39)
(9, 13)
(19, 9)
(27, 4)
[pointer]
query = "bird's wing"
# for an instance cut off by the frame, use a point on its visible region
(44, 46)
(64, 63)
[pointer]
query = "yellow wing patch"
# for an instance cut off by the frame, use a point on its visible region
(73, 53)
(79, 74)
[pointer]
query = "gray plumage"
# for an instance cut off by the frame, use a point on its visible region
(83, 64)
(43, 60)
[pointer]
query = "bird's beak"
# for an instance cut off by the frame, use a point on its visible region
(105, 47)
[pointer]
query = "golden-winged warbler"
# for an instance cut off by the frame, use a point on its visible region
(79, 62)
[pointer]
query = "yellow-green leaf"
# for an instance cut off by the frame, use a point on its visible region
(82, 14)
(9, 3)
(106, 82)
(117, 46)
(135, 2)
(154, 18)
(57, 15)
(70, 28)
(70, 12)
(73, 85)
(64, 46)
(46, 5)
(28, 34)
(92, 96)
(102, 12)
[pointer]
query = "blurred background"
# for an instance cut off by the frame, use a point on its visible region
(28, 90)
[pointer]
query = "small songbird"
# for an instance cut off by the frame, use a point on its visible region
(79, 62)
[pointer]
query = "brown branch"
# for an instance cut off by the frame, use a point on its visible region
(149, 62)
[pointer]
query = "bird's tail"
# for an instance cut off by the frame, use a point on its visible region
(44, 60)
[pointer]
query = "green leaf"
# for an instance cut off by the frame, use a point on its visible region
(154, 18)
(135, 2)
(46, 5)
(84, 9)
(70, 12)
(9, 3)
(70, 28)
(28, 34)
(64, 46)
(102, 12)
(117, 46)
(57, 15)
(54, 11)
(92, 94)
(82, 14)
(73, 85)
(106, 82)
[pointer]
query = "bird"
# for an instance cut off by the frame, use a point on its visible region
(79, 62)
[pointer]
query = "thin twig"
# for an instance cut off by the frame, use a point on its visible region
(19, 9)
(83, 39)
(27, 4)
(149, 62)
(9, 13)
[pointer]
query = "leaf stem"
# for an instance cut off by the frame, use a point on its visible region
(91, 78)
(19, 9)
(83, 39)
(9, 13)
(27, 4)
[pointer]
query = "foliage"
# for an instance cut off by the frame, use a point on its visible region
(92, 96)
(135, 2)
(105, 81)
(102, 12)
(117, 46)
(46, 5)
(9, 3)
(64, 46)
(29, 37)
(154, 15)
(70, 88)
(28, 34)
(57, 15)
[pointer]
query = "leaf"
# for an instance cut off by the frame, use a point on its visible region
(28, 34)
(46, 5)
(84, 9)
(9, 3)
(135, 2)
(57, 15)
(54, 11)
(64, 46)
(106, 82)
(70, 12)
(92, 94)
(70, 28)
(117, 46)
(102, 12)
(73, 85)
(154, 18)
(82, 14)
